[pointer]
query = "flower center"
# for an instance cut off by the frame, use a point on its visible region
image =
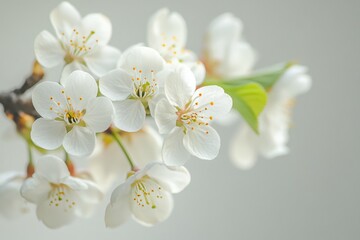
(77, 45)
(144, 84)
(60, 197)
(66, 112)
(195, 115)
(146, 192)
(170, 47)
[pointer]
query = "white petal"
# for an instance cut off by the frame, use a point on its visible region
(212, 101)
(116, 85)
(64, 18)
(294, 82)
(173, 150)
(60, 213)
(35, 189)
(159, 209)
(118, 210)
(198, 70)
(129, 115)
(202, 142)
(48, 134)
(100, 24)
(109, 164)
(80, 141)
(102, 60)
(75, 183)
(171, 25)
(48, 99)
(81, 87)
(180, 86)
(173, 179)
(12, 204)
(141, 58)
(99, 114)
(243, 151)
(71, 67)
(223, 31)
(52, 168)
(48, 50)
(165, 116)
(150, 142)
(89, 199)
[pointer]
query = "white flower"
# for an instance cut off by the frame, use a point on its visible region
(146, 195)
(226, 53)
(59, 197)
(274, 121)
(81, 43)
(12, 204)
(71, 115)
(133, 87)
(167, 34)
(185, 115)
(110, 164)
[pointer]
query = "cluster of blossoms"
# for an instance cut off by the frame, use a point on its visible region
(101, 108)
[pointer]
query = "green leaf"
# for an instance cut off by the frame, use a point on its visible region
(266, 78)
(249, 100)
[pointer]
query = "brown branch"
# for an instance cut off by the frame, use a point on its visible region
(12, 101)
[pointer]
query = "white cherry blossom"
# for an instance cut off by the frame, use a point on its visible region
(12, 204)
(167, 33)
(80, 43)
(226, 53)
(185, 116)
(59, 197)
(146, 195)
(71, 115)
(133, 87)
(274, 121)
(110, 163)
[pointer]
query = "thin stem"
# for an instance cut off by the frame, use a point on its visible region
(30, 155)
(118, 140)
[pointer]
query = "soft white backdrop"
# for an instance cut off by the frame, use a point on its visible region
(313, 193)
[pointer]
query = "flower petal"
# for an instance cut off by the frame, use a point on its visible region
(173, 179)
(212, 101)
(75, 183)
(159, 210)
(170, 26)
(129, 115)
(102, 60)
(116, 85)
(52, 168)
(202, 142)
(100, 24)
(118, 210)
(57, 214)
(71, 67)
(80, 141)
(198, 70)
(144, 59)
(180, 86)
(243, 151)
(165, 116)
(48, 50)
(12, 204)
(48, 134)
(173, 150)
(48, 99)
(65, 18)
(99, 114)
(80, 87)
(35, 189)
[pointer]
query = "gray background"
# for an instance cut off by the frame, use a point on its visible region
(313, 193)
